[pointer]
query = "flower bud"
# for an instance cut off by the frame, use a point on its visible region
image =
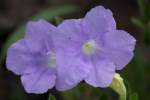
(118, 86)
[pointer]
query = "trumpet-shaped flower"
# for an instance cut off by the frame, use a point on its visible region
(96, 41)
(40, 65)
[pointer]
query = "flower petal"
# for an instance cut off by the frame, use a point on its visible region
(72, 69)
(120, 58)
(119, 46)
(72, 35)
(98, 21)
(72, 28)
(39, 29)
(39, 81)
(39, 35)
(101, 73)
(19, 58)
(119, 39)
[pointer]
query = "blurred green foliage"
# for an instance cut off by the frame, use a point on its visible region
(143, 22)
(133, 96)
(51, 97)
(138, 72)
(85, 92)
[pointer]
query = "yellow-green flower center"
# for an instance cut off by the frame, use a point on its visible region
(89, 47)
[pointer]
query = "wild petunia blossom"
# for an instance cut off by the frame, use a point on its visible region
(40, 65)
(96, 41)
(90, 49)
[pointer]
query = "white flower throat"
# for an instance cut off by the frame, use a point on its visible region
(52, 60)
(89, 47)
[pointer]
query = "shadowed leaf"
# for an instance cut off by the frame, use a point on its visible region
(51, 97)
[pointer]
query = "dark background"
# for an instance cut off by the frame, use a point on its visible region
(129, 17)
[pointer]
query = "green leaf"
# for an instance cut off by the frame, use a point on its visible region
(141, 4)
(133, 96)
(47, 14)
(16, 35)
(51, 97)
(58, 20)
(145, 29)
(138, 23)
(104, 97)
(144, 7)
(50, 13)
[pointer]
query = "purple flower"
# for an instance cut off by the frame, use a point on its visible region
(40, 65)
(89, 49)
(96, 41)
